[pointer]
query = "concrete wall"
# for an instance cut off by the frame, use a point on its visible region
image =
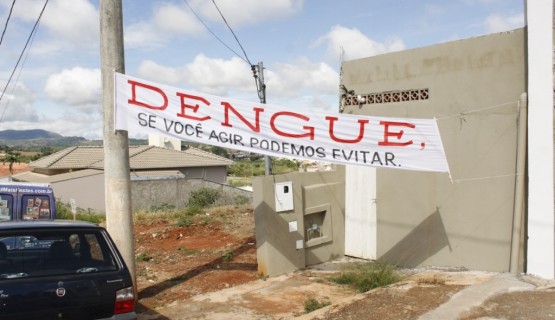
(472, 87)
(145, 193)
(541, 213)
(88, 192)
(175, 191)
(215, 174)
(318, 198)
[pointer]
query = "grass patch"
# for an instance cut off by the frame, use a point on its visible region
(185, 221)
(143, 257)
(313, 304)
(227, 255)
(367, 276)
(63, 211)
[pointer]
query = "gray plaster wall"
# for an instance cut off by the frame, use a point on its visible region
(88, 192)
(315, 195)
(474, 86)
(146, 193)
(215, 174)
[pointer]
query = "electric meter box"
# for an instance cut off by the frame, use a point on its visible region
(284, 196)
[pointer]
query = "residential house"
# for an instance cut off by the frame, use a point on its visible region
(159, 176)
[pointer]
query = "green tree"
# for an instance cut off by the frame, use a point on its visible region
(46, 151)
(219, 151)
(11, 158)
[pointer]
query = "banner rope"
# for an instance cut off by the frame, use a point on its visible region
(478, 110)
(488, 177)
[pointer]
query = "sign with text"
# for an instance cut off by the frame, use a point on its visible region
(147, 107)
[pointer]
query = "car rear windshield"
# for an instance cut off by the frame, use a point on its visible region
(34, 253)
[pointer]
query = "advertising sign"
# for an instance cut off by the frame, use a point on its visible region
(147, 107)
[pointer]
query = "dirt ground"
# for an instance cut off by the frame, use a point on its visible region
(17, 168)
(206, 268)
(176, 261)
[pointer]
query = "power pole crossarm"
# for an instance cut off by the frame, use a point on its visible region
(261, 86)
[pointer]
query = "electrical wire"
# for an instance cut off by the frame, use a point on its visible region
(229, 27)
(17, 79)
(7, 20)
(259, 86)
(19, 59)
(215, 36)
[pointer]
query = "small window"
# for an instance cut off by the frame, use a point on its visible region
(36, 207)
(6, 207)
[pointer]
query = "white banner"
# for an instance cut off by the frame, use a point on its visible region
(147, 107)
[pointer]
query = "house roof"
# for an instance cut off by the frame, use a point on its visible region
(140, 158)
(43, 178)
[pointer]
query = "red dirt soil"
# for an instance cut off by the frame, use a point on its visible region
(177, 262)
(17, 168)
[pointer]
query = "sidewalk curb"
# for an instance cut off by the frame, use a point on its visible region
(475, 295)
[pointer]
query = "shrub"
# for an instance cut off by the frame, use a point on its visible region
(193, 210)
(162, 208)
(143, 256)
(241, 199)
(184, 221)
(63, 211)
(313, 304)
(203, 197)
(367, 276)
(227, 255)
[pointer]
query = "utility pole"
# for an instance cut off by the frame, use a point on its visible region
(259, 75)
(119, 220)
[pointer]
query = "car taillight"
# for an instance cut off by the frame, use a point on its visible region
(125, 301)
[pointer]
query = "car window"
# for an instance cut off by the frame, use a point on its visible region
(6, 207)
(35, 207)
(46, 253)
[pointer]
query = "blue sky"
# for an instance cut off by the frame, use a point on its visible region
(57, 84)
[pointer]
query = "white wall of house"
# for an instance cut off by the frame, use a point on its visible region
(541, 216)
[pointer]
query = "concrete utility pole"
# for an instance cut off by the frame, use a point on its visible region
(262, 96)
(119, 220)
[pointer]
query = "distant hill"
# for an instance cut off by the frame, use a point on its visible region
(35, 139)
(28, 134)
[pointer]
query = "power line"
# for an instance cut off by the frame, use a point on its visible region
(17, 79)
(215, 36)
(19, 59)
(7, 20)
(259, 86)
(229, 27)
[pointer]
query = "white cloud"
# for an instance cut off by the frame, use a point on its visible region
(499, 23)
(355, 44)
(16, 105)
(168, 20)
(77, 87)
(70, 124)
(214, 76)
(172, 20)
(176, 20)
(72, 24)
(481, 2)
(299, 84)
(248, 12)
(289, 80)
(434, 9)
